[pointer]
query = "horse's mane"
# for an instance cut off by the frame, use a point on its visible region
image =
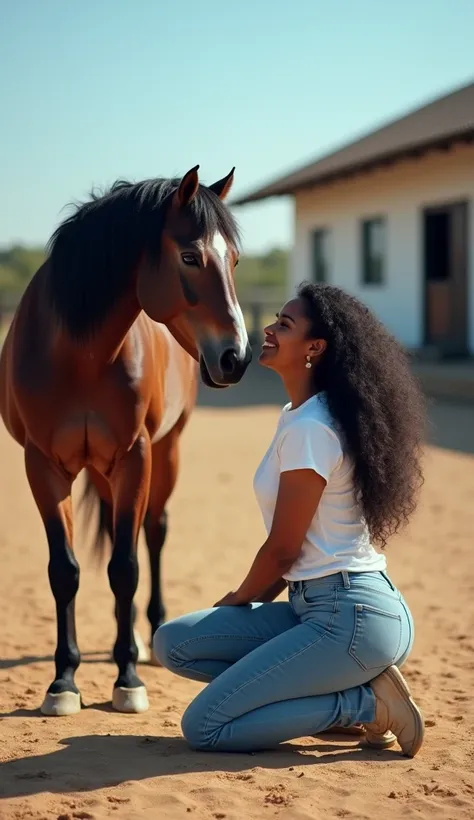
(93, 252)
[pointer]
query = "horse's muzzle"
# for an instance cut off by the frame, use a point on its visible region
(226, 369)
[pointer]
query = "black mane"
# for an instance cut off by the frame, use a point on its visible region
(94, 251)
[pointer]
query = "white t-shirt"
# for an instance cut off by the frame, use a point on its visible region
(338, 538)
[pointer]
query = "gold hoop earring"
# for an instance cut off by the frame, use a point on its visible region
(308, 361)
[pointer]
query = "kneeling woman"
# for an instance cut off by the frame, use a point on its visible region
(340, 477)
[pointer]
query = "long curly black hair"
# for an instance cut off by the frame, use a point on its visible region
(375, 402)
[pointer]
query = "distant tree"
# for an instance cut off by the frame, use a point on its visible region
(268, 272)
(255, 272)
(17, 265)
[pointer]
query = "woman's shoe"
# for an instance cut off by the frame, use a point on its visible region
(396, 711)
(380, 741)
(377, 741)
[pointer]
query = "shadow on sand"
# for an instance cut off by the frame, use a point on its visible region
(100, 656)
(93, 762)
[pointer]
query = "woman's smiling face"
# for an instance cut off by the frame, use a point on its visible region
(287, 341)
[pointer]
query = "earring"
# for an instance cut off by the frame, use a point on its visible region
(308, 361)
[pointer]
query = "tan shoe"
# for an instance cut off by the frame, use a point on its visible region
(355, 729)
(380, 741)
(396, 711)
(377, 741)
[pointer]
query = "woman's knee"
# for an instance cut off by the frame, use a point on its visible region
(193, 727)
(165, 641)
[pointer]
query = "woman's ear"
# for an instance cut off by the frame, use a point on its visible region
(317, 347)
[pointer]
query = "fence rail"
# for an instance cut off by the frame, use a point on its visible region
(257, 314)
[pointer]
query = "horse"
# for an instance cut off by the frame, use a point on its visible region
(98, 372)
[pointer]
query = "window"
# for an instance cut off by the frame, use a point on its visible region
(373, 251)
(320, 256)
(438, 238)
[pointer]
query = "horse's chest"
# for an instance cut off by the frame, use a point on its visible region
(173, 386)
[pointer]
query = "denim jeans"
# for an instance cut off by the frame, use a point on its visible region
(278, 671)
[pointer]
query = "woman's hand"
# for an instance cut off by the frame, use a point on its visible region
(231, 599)
(298, 497)
(299, 493)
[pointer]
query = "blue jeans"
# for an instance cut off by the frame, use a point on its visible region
(279, 671)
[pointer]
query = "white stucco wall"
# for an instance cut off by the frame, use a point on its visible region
(399, 193)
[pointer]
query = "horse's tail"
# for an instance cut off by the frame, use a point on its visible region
(87, 502)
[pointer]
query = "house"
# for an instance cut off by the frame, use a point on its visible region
(390, 218)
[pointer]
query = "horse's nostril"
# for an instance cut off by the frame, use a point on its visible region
(228, 362)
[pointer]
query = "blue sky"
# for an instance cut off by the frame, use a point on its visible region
(95, 90)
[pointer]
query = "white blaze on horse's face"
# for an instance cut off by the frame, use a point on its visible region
(220, 249)
(219, 246)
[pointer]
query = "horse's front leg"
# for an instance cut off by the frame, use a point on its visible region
(130, 485)
(51, 490)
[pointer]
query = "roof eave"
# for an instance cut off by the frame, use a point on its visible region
(415, 151)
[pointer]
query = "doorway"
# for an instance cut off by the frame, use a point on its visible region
(445, 243)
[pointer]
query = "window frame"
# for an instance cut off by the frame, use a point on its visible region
(325, 232)
(365, 262)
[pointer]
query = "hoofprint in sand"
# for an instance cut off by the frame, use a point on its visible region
(104, 764)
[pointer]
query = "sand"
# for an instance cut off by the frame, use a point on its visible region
(102, 764)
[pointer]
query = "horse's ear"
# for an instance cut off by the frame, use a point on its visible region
(223, 186)
(188, 188)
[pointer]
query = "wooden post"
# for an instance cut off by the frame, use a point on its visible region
(256, 322)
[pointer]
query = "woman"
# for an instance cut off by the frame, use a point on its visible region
(340, 477)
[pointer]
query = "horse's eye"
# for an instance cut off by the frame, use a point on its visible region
(236, 263)
(189, 259)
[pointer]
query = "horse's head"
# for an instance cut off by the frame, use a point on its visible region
(191, 287)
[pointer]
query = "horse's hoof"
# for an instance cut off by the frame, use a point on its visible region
(130, 700)
(143, 651)
(61, 704)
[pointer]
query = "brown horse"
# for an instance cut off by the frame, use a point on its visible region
(96, 372)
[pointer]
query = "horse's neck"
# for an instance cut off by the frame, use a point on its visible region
(105, 342)
(110, 336)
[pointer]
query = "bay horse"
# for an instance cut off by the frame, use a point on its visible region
(98, 371)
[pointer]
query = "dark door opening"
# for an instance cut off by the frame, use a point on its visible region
(445, 277)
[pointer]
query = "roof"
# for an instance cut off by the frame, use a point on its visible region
(436, 125)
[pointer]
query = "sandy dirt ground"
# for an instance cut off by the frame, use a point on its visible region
(101, 764)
